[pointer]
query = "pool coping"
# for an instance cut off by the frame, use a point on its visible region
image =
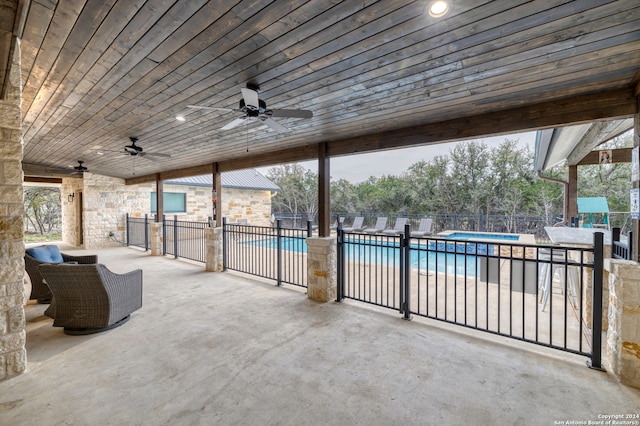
(528, 239)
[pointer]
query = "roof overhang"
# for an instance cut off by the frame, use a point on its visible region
(571, 144)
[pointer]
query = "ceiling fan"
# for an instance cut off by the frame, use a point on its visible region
(79, 169)
(252, 107)
(137, 151)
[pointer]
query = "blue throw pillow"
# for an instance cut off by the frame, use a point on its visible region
(49, 254)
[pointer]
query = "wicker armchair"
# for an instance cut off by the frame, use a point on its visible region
(39, 290)
(90, 298)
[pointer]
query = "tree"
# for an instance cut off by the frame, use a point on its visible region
(42, 208)
(298, 190)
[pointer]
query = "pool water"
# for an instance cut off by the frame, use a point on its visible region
(466, 236)
(459, 258)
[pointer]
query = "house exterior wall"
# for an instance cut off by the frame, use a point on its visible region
(13, 355)
(104, 202)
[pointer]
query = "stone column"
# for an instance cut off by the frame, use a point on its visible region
(322, 268)
(155, 238)
(214, 247)
(13, 356)
(623, 336)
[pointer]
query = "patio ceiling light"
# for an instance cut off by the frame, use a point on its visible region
(439, 8)
(180, 118)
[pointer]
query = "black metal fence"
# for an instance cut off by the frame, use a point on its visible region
(180, 238)
(184, 239)
(137, 231)
(620, 249)
(276, 253)
(534, 293)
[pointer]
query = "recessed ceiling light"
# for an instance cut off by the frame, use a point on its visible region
(438, 9)
(180, 118)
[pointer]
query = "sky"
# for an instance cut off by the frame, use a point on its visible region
(358, 168)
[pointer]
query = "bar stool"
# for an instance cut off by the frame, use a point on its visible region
(554, 260)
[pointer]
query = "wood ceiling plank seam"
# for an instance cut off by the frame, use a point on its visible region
(89, 56)
(106, 67)
(585, 53)
(445, 86)
(61, 24)
(192, 30)
(70, 56)
(559, 30)
(555, 48)
(97, 67)
(36, 26)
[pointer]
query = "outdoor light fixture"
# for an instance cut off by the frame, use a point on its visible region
(180, 118)
(439, 8)
(70, 197)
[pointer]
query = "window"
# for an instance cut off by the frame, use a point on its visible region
(174, 202)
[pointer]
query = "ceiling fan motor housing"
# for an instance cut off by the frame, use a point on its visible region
(251, 111)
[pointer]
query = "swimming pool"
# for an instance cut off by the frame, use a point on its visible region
(467, 236)
(449, 257)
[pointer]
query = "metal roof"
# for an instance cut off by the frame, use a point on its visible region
(241, 179)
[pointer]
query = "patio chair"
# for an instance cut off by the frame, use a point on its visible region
(381, 223)
(90, 298)
(356, 226)
(423, 229)
(37, 256)
(397, 228)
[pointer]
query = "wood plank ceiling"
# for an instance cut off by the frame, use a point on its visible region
(96, 72)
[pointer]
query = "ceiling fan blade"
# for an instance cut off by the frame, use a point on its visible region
(294, 113)
(157, 154)
(233, 123)
(275, 125)
(209, 108)
(250, 98)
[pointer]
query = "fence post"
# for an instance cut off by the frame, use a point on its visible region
(340, 263)
(596, 313)
(127, 227)
(279, 251)
(405, 271)
(630, 245)
(164, 235)
(309, 228)
(175, 236)
(224, 244)
(146, 232)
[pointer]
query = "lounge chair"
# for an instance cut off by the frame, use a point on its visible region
(37, 256)
(381, 223)
(356, 226)
(90, 298)
(423, 229)
(397, 228)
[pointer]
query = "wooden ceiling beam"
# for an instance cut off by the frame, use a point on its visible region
(578, 109)
(619, 155)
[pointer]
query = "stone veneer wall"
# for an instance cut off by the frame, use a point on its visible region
(13, 355)
(107, 200)
(623, 334)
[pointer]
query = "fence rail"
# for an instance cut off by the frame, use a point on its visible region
(184, 239)
(536, 293)
(137, 231)
(276, 253)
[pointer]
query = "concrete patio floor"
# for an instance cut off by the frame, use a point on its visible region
(219, 348)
